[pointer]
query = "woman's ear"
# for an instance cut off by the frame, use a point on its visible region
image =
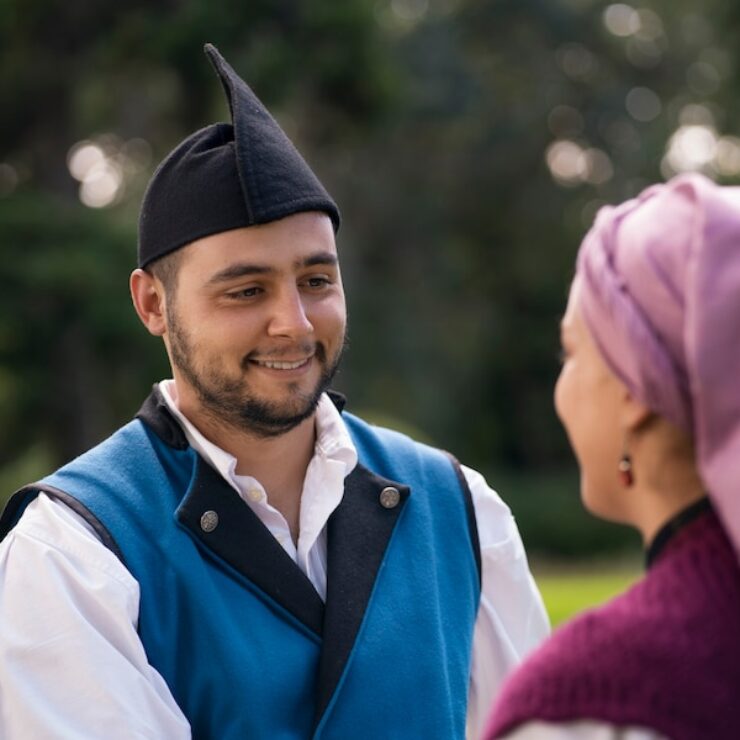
(633, 413)
(148, 296)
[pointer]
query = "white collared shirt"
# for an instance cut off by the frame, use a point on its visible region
(334, 459)
(72, 664)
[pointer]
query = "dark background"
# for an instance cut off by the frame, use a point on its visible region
(468, 143)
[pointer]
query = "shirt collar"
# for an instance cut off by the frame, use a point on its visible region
(333, 441)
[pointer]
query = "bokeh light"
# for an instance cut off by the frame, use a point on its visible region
(621, 19)
(83, 157)
(410, 10)
(643, 104)
(103, 166)
(577, 62)
(691, 148)
(571, 164)
(101, 186)
(727, 156)
(599, 168)
(567, 162)
(650, 25)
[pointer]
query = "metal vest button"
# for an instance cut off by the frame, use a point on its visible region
(389, 497)
(209, 521)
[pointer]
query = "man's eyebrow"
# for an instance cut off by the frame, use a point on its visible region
(240, 269)
(246, 269)
(319, 258)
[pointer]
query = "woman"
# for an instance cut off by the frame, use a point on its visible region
(649, 395)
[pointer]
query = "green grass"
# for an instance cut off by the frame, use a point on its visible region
(567, 592)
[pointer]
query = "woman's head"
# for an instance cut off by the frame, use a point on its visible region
(603, 420)
(657, 295)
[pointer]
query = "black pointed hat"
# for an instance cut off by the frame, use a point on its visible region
(226, 176)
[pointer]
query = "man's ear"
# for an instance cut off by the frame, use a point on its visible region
(633, 413)
(147, 293)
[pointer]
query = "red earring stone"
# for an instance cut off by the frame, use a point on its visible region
(626, 478)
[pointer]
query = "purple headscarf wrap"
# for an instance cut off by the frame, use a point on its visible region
(660, 294)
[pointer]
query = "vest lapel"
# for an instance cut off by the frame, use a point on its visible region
(216, 517)
(359, 531)
(239, 538)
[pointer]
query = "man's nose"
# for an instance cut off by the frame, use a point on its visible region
(289, 318)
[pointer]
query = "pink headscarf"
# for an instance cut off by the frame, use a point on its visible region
(660, 293)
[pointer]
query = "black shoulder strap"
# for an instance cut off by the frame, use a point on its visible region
(472, 522)
(21, 498)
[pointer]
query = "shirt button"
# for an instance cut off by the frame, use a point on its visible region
(389, 497)
(209, 521)
(254, 494)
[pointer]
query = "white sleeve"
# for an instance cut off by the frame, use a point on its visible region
(71, 661)
(581, 730)
(511, 618)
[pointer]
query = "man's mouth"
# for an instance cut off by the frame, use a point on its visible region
(283, 364)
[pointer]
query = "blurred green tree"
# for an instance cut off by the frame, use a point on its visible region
(128, 82)
(469, 144)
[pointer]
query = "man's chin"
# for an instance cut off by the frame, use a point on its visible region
(271, 419)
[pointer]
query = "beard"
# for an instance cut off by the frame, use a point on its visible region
(230, 401)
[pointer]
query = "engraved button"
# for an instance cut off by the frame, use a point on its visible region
(209, 521)
(254, 494)
(389, 497)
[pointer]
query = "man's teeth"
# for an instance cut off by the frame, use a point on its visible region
(275, 365)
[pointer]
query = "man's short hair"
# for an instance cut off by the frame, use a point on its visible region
(166, 269)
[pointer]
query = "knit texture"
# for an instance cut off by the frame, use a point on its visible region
(665, 655)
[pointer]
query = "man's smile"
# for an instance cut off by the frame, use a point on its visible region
(283, 364)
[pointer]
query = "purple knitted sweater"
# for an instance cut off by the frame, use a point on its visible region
(664, 655)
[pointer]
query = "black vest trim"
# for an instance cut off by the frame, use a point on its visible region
(25, 495)
(359, 531)
(242, 540)
(470, 509)
(155, 413)
(338, 399)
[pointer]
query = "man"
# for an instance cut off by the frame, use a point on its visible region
(246, 559)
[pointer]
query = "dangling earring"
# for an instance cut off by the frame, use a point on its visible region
(626, 477)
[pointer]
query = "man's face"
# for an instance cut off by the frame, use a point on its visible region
(256, 325)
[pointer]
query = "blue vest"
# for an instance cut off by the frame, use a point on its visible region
(244, 642)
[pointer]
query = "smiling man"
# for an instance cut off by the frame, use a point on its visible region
(246, 558)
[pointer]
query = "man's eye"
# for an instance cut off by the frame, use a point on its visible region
(317, 282)
(244, 293)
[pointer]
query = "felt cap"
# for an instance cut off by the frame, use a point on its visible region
(227, 176)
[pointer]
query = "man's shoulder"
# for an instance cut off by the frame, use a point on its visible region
(132, 459)
(102, 467)
(121, 449)
(397, 455)
(365, 429)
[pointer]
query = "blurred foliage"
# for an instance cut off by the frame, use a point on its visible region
(552, 520)
(431, 121)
